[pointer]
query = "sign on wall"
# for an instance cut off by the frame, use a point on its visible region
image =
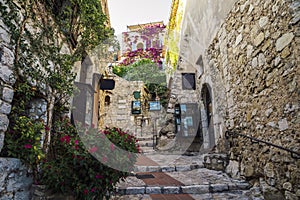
(136, 107)
(154, 106)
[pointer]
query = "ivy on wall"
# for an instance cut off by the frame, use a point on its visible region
(43, 63)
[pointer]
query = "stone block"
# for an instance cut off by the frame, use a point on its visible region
(219, 187)
(259, 39)
(233, 169)
(7, 57)
(5, 108)
(153, 190)
(1, 143)
(7, 94)
(135, 190)
(167, 169)
(3, 122)
(283, 124)
(195, 189)
(283, 41)
(182, 168)
(263, 21)
(6, 74)
(171, 190)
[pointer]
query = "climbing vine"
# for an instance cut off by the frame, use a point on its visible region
(46, 46)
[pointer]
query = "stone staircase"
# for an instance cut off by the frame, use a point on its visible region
(161, 176)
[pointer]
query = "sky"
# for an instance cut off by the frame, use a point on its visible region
(130, 12)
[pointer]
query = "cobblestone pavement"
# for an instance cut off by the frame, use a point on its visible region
(162, 177)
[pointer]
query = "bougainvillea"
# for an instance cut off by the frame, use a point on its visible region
(150, 37)
(152, 54)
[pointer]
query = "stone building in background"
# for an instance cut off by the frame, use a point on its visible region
(242, 58)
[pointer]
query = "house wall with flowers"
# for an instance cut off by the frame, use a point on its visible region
(143, 41)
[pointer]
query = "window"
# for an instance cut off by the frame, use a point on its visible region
(188, 81)
(140, 46)
(107, 100)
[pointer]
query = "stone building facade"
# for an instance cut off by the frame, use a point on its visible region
(200, 23)
(15, 179)
(116, 106)
(245, 57)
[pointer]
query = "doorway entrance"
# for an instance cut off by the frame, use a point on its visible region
(207, 119)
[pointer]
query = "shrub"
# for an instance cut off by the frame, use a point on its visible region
(23, 141)
(73, 167)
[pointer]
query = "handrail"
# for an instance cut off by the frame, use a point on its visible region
(294, 154)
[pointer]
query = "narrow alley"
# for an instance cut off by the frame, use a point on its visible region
(163, 175)
(149, 99)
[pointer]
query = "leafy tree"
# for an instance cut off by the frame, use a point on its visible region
(147, 71)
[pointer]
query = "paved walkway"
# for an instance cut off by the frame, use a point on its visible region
(159, 176)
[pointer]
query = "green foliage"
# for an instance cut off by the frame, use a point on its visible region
(82, 22)
(71, 168)
(26, 133)
(148, 72)
(43, 65)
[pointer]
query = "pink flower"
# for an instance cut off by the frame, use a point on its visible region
(93, 149)
(85, 191)
(66, 139)
(93, 190)
(27, 146)
(98, 176)
(47, 128)
(76, 142)
(112, 147)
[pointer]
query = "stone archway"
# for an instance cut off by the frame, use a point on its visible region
(207, 117)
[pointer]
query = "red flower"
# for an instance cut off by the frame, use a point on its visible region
(85, 191)
(27, 146)
(66, 139)
(47, 128)
(98, 176)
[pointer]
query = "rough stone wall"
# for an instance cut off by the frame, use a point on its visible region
(6, 79)
(118, 111)
(256, 54)
(202, 19)
(14, 182)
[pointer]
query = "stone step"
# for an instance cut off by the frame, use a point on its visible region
(186, 189)
(147, 150)
(145, 138)
(240, 195)
(167, 168)
(146, 143)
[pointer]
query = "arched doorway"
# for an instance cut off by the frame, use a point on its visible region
(207, 119)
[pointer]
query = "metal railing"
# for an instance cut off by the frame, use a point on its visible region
(294, 154)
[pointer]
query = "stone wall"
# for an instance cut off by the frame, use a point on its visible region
(201, 21)
(116, 109)
(6, 79)
(14, 180)
(255, 55)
